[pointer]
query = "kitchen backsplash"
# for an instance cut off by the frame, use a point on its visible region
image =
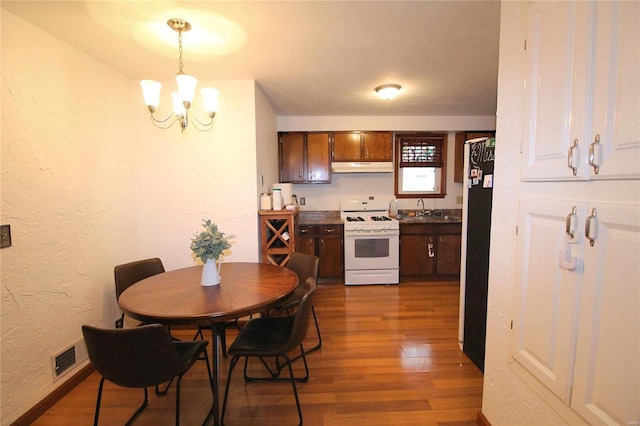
(361, 186)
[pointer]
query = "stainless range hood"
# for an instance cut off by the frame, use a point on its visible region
(362, 167)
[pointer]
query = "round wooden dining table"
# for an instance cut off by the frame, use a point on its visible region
(176, 297)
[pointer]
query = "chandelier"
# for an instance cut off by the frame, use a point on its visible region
(184, 96)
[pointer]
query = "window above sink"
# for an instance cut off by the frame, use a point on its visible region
(420, 165)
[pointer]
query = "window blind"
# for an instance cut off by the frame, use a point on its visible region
(420, 151)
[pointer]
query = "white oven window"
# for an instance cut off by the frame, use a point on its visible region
(371, 247)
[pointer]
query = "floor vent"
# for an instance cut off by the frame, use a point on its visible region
(64, 361)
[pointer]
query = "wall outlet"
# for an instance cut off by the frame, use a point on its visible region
(303, 201)
(371, 197)
(5, 233)
(459, 199)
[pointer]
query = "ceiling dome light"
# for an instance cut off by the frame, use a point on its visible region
(388, 91)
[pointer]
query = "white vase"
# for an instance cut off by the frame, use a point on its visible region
(210, 273)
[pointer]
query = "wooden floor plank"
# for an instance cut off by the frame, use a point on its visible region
(389, 356)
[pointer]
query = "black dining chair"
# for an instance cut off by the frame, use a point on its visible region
(269, 336)
(142, 357)
(305, 266)
(128, 274)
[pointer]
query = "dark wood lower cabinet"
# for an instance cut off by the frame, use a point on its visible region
(326, 242)
(449, 254)
(430, 251)
(415, 259)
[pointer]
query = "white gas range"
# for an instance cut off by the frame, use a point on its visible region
(371, 243)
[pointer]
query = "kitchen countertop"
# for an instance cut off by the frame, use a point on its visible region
(332, 217)
(319, 217)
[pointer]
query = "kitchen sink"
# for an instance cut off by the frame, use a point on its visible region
(429, 218)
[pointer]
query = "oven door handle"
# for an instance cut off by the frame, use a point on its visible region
(373, 233)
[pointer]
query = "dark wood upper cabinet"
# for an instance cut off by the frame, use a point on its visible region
(362, 146)
(305, 157)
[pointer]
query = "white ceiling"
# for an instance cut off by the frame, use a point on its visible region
(311, 58)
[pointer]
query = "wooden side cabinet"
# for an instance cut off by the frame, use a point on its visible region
(458, 164)
(326, 242)
(277, 235)
(430, 251)
(362, 146)
(305, 157)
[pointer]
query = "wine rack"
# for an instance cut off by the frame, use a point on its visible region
(278, 235)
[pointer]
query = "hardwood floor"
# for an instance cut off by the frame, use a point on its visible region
(389, 356)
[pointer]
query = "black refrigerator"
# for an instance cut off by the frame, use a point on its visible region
(476, 233)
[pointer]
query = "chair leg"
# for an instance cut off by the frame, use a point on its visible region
(132, 418)
(315, 319)
(140, 409)
(295, 388)
(315, 348)
(178, 382)
(165, 390)
(223, 343)
(95, 417)
(275, 375)
(120, 321)
(232, 365)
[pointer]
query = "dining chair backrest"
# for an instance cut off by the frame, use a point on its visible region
(127, 274)
(137, 357)
(304, 265)
(302, 316)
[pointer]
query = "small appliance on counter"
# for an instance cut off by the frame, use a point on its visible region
(286, 192)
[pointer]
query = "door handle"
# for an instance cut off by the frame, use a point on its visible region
(568, 223)
(587, 227)
(592, 155)
(431, 252)
(570, 157)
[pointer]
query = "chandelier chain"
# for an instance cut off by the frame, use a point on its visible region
(180, 52)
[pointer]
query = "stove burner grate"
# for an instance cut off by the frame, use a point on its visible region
(355, 219)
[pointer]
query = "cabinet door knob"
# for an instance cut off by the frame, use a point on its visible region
(431, 252)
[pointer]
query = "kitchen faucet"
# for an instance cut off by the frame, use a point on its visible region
(421, 201)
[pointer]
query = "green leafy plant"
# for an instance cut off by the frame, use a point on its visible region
(210, 243)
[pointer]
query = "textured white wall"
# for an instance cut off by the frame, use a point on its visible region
(67, 173)
(88, 183)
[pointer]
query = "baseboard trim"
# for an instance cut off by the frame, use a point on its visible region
(55, 396)
(481, 420)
